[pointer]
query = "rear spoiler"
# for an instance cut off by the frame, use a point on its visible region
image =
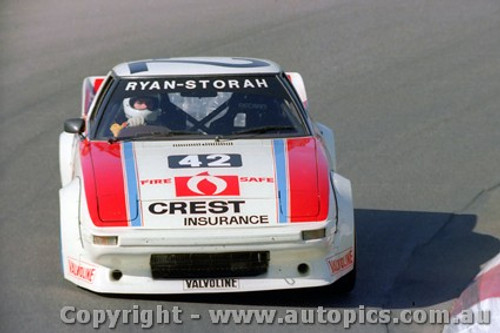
(298, 83)
(90, 88)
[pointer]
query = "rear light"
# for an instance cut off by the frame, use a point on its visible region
(313, 234)
(105, 240)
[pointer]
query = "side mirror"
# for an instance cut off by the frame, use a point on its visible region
(74, 125)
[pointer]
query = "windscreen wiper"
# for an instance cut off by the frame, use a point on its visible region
(150, 135)
(264, 129)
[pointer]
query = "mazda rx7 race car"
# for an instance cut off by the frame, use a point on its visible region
(189, 175)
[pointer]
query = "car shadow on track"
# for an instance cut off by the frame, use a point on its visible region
(405, 259)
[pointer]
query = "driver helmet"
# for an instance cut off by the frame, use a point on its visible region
(145, 107)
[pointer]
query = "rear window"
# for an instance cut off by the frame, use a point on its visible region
(256, 106)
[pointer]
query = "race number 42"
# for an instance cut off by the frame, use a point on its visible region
(204, 161)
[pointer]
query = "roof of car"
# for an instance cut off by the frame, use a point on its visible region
(195, 66)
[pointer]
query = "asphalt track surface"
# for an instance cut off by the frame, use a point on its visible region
(411, 88)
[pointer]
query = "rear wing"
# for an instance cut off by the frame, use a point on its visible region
(298, 83)
(326, 133)
(90, 88)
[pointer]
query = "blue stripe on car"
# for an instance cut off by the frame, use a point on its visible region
(281, 181)
(131, 180)
(137, 67)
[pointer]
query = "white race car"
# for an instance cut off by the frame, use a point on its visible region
(190, 175)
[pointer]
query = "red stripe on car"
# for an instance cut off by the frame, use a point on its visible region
(308, 180)
(97, 84)
(103, 179)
